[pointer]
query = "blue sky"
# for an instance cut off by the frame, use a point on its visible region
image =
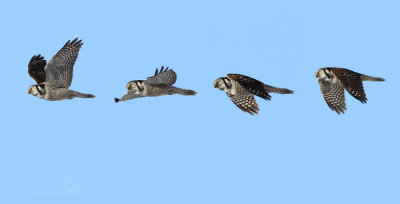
(201, 149)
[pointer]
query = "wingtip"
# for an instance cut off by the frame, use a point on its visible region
(116, 100)
(75, 41)
(340, 110)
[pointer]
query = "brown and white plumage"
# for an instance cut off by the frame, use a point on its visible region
(241, 90)
(36, 69)
(54, 78)
(158, 85)
(332, 82)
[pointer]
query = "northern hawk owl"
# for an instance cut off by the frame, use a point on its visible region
(332, 82)
(54, 79)
(241, 90)
(158, 85)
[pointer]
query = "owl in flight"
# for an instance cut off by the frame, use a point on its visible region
(54, 78)
(158, 85)
(241, 90)
(333, 81)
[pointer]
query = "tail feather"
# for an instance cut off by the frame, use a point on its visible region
(83, 95)
(370, 78)
(186, 92)
(277, 90)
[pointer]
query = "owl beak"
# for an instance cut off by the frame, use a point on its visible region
(30, 90)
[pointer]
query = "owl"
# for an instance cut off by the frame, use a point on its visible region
(158, 85)
(332, 82)
(241, 90)
(54, 78)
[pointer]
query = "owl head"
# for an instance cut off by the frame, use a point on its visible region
(324, 73)
(135, 86)
(37, 90)
(222, 83)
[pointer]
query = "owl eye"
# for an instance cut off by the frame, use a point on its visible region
(130, 86)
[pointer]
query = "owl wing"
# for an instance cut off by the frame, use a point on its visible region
(333, 94)
(246, 103)
(167, 76)
(36, 68)
(351, 81)
(128, 96)
(59, 70)
(252, 85)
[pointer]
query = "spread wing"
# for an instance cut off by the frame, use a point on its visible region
(351, 81)
(246, 103)
(333, 94)
(167, 76)
(252, 85)
(36, 68)
(128, 96)
(59, 70)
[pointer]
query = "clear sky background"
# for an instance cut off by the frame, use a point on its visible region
(201, 149)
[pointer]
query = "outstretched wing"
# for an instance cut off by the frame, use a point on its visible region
(36, 68)
(252, 85)
(59, 70)
(333, 94)
(246, 103)
(128, 96)
(351, 81)
(167, 76)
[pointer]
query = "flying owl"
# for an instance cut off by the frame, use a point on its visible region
(158, 85)
(333, 81)
(241, 90)
(54, 78)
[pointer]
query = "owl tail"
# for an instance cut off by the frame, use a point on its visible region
(277, 90)
(83, 95)
(370, 78)
(186, 92)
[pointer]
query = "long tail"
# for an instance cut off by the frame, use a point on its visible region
(277, 90)
(370, 78)
(83, 95)
(186, 92)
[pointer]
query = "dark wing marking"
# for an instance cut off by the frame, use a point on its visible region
(246, 103)
(252, 85)
(351, 81)
(59, 70)
(167, 76)
(36, 68)
(333, 94)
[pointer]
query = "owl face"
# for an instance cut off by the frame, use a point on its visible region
(37, 90)
(324, 73)
(135, 86)
(222, 83)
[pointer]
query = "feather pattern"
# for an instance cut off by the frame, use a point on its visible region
(59, 70)
(252, 85)
(246, 103)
